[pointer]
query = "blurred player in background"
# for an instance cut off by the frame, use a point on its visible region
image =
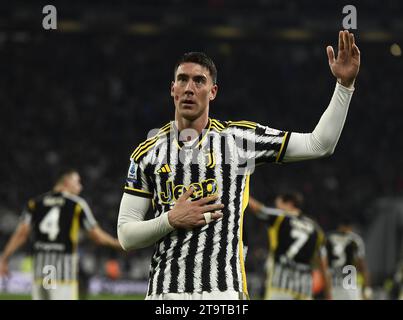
(193, 168)
(297, 247)
(397, 289)
(55, 219)
(346, 249)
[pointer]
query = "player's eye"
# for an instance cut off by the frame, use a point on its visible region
(199, 80)
(181, 79)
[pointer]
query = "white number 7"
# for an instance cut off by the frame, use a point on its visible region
(50, 223)
(300, 238)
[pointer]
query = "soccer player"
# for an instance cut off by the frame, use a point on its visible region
(54, 219)
(346, 250)
(297, 247)
(195, 172)
(397, 287)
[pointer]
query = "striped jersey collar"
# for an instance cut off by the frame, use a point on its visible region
(197, 142)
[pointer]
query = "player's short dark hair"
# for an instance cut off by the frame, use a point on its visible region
(200, 58)
(296, 198)
(65, 173)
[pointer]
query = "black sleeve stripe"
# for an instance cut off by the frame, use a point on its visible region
(284, 147)
(142, 194)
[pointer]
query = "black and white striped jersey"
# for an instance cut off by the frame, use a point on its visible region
(344, 248)
(55, 220)
(219, 161)
(294, 241)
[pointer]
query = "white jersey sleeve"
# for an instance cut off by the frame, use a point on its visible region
(133, 231)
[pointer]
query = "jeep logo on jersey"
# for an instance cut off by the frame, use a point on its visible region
(201, 189)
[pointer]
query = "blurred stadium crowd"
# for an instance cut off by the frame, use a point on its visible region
(86, 99)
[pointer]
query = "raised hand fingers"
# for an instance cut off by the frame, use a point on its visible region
(330, 54)
(205, 200)
(210, 216)
(341, 42)
(186, 195)
(354, 48)
(346, 40)
(352, 40)
(212, 207)
(216, 215)
(356, 51)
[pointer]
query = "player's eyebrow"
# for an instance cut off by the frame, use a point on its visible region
(201, 77)
(184, 76)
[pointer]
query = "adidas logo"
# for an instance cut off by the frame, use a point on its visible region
(164, 169)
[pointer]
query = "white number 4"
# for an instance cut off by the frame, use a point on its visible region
(50, 223)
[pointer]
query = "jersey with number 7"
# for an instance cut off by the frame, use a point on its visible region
(294, 241)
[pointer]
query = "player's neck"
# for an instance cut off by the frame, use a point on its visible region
(344, 229)
(61, 189)
(198, 124)
(57, 188)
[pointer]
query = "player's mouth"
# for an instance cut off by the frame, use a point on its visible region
(187, 103)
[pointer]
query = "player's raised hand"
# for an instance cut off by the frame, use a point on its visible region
(188, 214)
(347, 64)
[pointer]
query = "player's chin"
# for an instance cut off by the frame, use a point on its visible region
(190, 113)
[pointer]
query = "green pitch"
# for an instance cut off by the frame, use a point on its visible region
(6, 296)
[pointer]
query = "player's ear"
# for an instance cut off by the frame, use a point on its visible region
(172, 88)
(213, 92)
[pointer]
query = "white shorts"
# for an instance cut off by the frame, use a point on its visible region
(214, 295)
(60, 292)
(339, 293)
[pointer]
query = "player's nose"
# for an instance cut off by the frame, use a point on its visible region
(189, 93)
(189, 89)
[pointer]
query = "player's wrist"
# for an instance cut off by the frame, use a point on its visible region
(348, 83)
(170, 219)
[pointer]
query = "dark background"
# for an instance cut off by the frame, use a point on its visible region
(86, 94)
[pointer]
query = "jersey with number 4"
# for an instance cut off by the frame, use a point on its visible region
(55, 220)
(294, 243)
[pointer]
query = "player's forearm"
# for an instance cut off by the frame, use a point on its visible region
(366, 288)
(330, 126)
(112, 242)
(15, 242)
(323, 140)
(254, 205)
(362, 268)
(104, 239)
(133, 231)
(141, 234)
(322, 263)
(327, 285)
(265, 212)
(366, 278)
